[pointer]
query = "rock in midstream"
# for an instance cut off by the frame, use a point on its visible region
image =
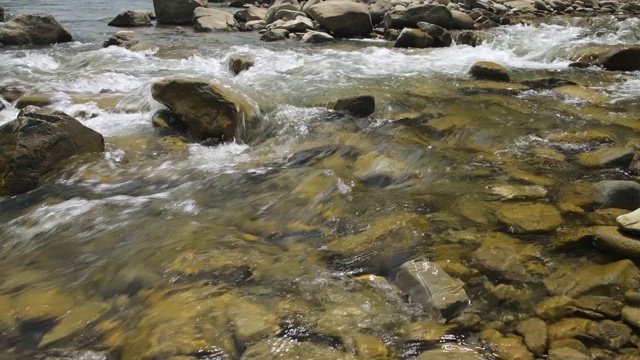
(630, 223)
(595, 279)
(427, 284)
(622, 194)
(27, 29)
(609, 238)
(361, 106)
(36, 142)
(487, 70)
(240, 62)
(131, 18)
(210, 110)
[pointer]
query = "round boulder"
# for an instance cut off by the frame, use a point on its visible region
(343, 18)
(37, 141)
(627, 59)
(414, 38)
(27, 29)
(486, 70)
(210, 110)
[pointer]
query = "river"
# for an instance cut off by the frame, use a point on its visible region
(137, 241)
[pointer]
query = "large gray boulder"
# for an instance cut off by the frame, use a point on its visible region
(27, 29)
(206, 20)
(37, 141)
(209, 110)
(343, 18)
(132, 18)
(434, 14)
(429, 285)
(176, 11)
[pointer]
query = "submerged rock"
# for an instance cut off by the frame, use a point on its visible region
(165, 119)
(27, 29)
(176, 12)
(631, 316)
(125, 39)
(361, 106)
(500, 262)
(427, 284)
(285, 349)
(608, 238)
(486, 70)
(132, 18)
(593, 279)
(343, 18)
(622, 194)
(208, 109)
(609, 156)
(36, 142)
(506, 347)
(239, 63)
(534, 332)
(413, 38)
(529, 218)
(39, 100)
(274, 35)
(451, 352)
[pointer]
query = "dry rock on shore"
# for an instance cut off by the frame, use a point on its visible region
(35, 142)
(176, 12)
(27, 29)
(343, 18)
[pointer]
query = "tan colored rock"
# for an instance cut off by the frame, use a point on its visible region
(534, 332)
(528, 218)
(28, 29)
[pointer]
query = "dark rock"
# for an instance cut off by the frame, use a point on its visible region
(546, 83)
(165, 119)
(470, 38)
(176, 11)
(209, 110)
(27, 29)
(439, 34)
(621, 194)
(37, 141)
(1, 14)
(462, 21)
(361, 106)
(427, 284)
(627, 59)
(239, 63)
(343, 18)
(132, 18)
(434, 14)
(607, 157)
(413, 38)
(274, 35)
(610, 334)
(391, 34)
(11, 93)
(486, 70)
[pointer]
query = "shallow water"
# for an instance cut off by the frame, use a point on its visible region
(263, 223)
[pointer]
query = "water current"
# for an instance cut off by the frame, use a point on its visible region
(138, 240)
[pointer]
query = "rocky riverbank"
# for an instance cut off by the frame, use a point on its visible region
(488, 213)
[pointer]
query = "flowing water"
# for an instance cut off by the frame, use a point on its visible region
(137, 240)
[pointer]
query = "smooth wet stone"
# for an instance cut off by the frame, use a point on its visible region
(566, 354)
(529, 218)
(554, 308)
(239, 63)
(593, 279)
(610, 239)
(28, 29)
(428, 331)
(625, 59)
(585, 137)
(570, 343)
(604, 217)
(39, 100)
(429, 285)
(500, 262)
(72, 354)
(534, 332)
(569, 328)
(607, 157)
(582, 93)
(629, 223)
(370, 347)
(632, 297)
(506, 347)
(36, 142)
(486, 70)
(125, 39)
(462, 21)
(631, 316)
(75, 321)
(251, 321)
(410, 17)
(284, 349)
(451, 352)
(165, 119)
(210, 110)
(622, 194)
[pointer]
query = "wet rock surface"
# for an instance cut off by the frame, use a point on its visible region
(28, 29)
